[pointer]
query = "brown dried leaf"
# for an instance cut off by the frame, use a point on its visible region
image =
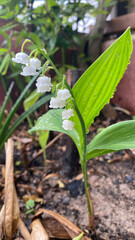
(23, 230)
(16, 212)
(9, 191)
(58, 226)
(38, 231)
(11, 212)
(24, 140)
(32, 197)
(51, 175)
(1, 221)
(3, 171)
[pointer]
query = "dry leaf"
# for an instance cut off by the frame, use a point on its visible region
(16, 212)
(9, 191)
(1, 221)
(60, 183)
(11, 206)
(38, 231)
(32, 197)
(3, 171)
(51, 175)
(23, 140)
(58, 226)
(23, 230)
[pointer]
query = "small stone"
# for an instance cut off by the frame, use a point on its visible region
(129, 178)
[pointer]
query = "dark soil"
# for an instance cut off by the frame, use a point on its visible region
(112, 184)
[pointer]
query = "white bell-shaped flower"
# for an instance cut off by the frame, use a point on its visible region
(35, 62)
(63, 94)
(43, 84)
(21, 57)
(67, 113)
(57, 103)
(29, 71)
(68, 125)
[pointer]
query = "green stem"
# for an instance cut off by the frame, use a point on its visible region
(26, 41)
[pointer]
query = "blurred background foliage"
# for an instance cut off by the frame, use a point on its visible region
(54, 25)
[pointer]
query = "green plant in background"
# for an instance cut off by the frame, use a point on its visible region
(54, 25)
(6, 128)
(30, 204)
(83, 103)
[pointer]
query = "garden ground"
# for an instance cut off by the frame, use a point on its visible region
(111, 178)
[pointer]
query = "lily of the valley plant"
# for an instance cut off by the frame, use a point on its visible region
(74, 109)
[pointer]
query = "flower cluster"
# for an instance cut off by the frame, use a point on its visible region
(30, 69)
(31, 65)
(60, 102)
(67, 124)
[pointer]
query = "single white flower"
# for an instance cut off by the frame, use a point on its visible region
(21, 57)
(57, 103)
(63, 94)
(43, 84)
(29, 71)
(35, 62)
(68, 125)
(67, 113)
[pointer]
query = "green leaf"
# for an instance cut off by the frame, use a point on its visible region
(5, 103)
(116, 137)
(36, 39)
(4, 62)
(30, 204)
(79, 237)
(28, 102)
(8, 26)
(4, 135)
(6, 65)
(52, 121)
(7, 38)
(97, 85)
(43, 137)
(14, 109)
(3, 50)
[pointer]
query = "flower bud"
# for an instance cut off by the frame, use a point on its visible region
(29, 71)
(35, 62)
(63, 94)
(43, 84)
(68, 125)
(57, 103)
(21, 57)
(67, 113)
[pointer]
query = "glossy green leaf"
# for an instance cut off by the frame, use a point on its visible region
(117, 137)
(97, 85)
(52, 121)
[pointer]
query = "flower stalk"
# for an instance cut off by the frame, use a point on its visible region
(44, 85)
(83, 157)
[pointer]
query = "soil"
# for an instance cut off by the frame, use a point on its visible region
(111, 178)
